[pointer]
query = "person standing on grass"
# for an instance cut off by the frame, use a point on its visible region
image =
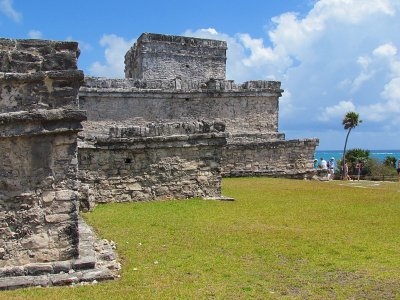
(358, 169)
(324, 165)
(398, 169)
(331, 167)
(315, 163)
(346, 172)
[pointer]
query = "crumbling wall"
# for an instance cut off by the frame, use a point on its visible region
(39, 121)
(159, 56)
(158, 161)
(274, 158)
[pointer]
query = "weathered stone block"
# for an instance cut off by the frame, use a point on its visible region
(64, 279)
(38, 268)
(38, 241)
(61, 266)
(99, 275)
(84, 263)
(57, 218)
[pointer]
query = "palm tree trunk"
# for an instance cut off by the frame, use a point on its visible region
(344, 153)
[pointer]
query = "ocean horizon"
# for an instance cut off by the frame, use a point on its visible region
(380, 155)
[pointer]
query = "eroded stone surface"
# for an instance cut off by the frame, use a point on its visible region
(39, 122)
(160, 161)
(96, 261)
(158, 56)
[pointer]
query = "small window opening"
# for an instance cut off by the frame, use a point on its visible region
(187, 66)
(128, 160)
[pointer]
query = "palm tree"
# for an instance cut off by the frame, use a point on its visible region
(350, 121)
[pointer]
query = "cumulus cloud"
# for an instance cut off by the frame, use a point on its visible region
(35, 34)
(6, 7)
(386, 50)
(115, 49)
(335, 111)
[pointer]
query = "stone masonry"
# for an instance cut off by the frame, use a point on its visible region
(39, 125)
(153, 162)
(39, 122)
(182, 57)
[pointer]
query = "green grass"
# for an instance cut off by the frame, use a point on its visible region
(280, 239)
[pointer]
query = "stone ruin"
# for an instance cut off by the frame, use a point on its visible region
(158, 161)
(170, 130)
(42, 239)
(173, 79)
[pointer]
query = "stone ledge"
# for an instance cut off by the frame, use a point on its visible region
(40, 122)
(9, 283)
(191, 41)
(270, 144)
(167, 129)
(173, 141)
(292, 174)
(178, 86)
(42, 115)
(221, 198)
(64, 75)
(91, 266)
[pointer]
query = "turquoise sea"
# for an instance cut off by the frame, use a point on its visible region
(337, 154)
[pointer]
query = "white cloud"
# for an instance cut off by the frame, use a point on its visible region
(336, 111)
(350, 11)
(35, 34)
(6, 7)
(385, 50)
(384, 57)
(116, 47)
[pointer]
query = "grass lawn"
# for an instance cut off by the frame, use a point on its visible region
(287, 239)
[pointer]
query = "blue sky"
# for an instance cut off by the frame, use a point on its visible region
(332, 56)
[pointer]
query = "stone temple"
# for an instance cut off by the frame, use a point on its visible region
(170, 130)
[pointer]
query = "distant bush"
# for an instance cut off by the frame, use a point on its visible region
(390, 161)
(372, 168)
(376, 170)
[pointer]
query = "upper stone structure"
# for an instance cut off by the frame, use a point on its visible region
(166, 57)
(38, 74)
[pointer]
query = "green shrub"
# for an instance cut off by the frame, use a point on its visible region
(377, 170)
(390, 161)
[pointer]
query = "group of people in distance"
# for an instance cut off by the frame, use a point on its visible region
(330, 166)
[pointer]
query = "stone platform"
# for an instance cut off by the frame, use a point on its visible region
(97, 261)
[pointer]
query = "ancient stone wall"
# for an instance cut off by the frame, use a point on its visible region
(158, 161)
(39, 121)
(274, 158)
(248, 108)
(158, 56)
